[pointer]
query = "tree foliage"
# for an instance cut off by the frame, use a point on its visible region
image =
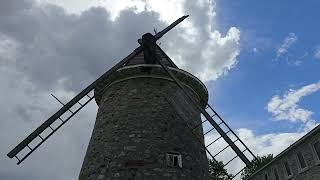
(217, 171)
(256, 165)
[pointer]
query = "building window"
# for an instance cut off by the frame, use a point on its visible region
(174, 159)
(275, 173)
(287, 168)
(266, 177)
(316, 148)
(301, 160)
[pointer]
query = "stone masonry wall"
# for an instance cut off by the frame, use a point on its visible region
(136, 126)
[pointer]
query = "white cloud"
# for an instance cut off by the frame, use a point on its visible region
(282, 108)
(113, 7)
(200, 48)
(287, 43)
(196, 47)
(8, 50)
(169, 10)
(287, 108)
(273, 143)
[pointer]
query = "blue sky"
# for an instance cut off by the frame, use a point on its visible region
(243, 94)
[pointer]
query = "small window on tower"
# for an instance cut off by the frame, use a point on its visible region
(174, 159)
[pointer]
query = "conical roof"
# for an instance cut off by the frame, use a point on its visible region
(136, 68)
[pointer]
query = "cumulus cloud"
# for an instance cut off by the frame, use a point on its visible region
(268, 143)
(287, 43)
(287, 108)
(195, 45)
(201, 49)
(76, 48)
(283, 107)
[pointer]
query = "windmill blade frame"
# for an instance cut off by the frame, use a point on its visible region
(23, 144)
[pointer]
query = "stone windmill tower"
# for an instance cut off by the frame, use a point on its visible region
(150, 121)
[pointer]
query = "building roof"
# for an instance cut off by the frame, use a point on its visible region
(295, 144)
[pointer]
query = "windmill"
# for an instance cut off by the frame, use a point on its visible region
(152, 118)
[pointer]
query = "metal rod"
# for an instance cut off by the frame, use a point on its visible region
(208, 132)
(60, 101)
(57, 99)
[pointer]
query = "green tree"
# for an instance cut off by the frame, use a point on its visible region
(217, 171)
(256, 165)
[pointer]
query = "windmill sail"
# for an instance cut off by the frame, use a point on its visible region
(25, 144)
(58, 115)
